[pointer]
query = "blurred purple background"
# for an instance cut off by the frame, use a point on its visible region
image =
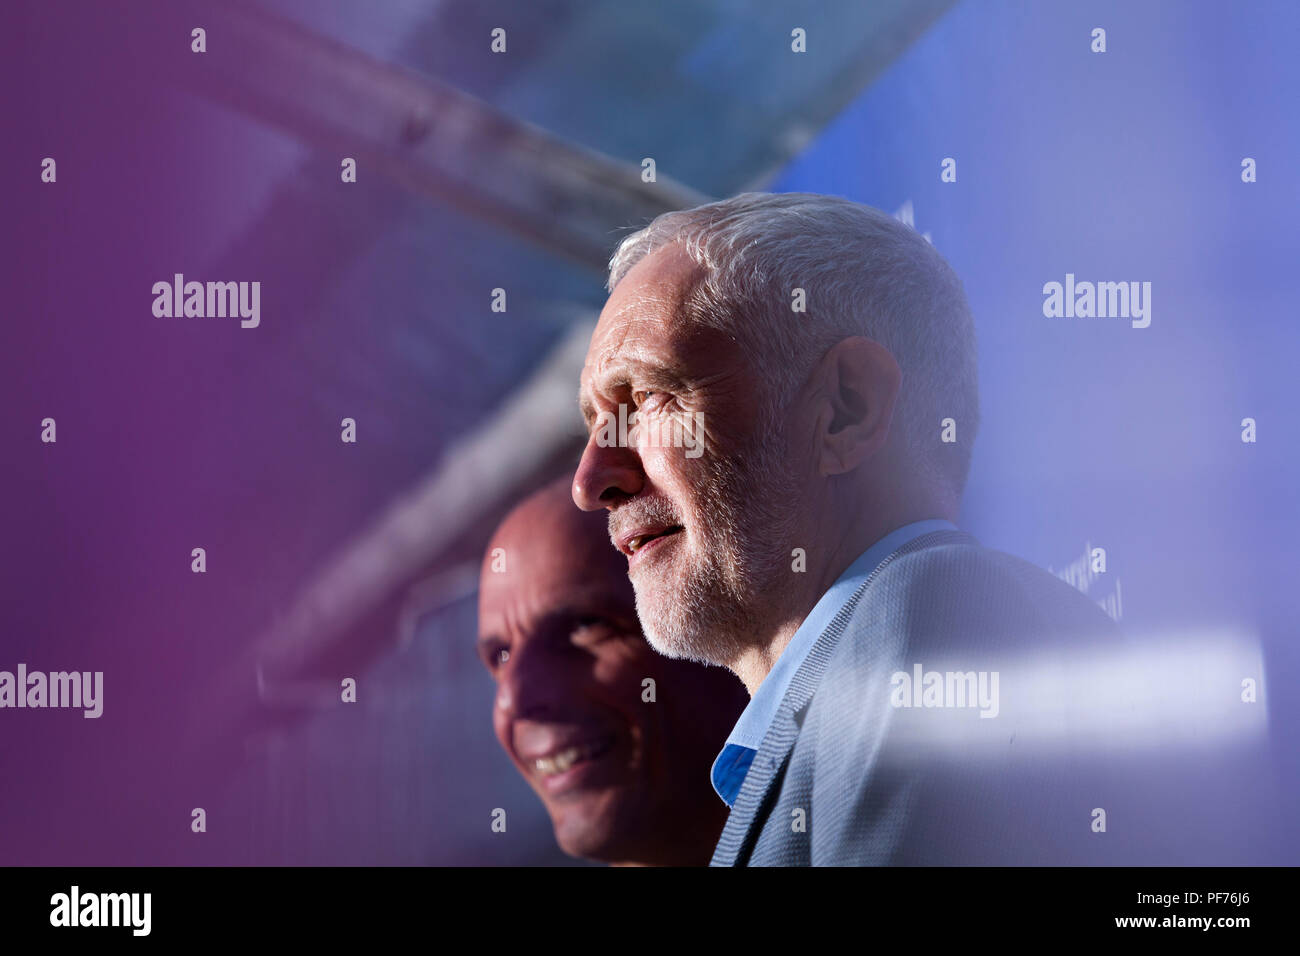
(519, 171)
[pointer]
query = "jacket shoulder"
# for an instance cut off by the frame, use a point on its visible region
(963, 596)
(894, 781)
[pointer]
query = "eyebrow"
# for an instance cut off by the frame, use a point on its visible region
(588, 410)
(652, 375)
(567, 615)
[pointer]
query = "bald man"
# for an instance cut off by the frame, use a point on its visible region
(616, 740)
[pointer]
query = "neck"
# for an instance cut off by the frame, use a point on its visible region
(847, 541)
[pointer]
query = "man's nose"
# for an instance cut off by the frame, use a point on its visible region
(606, 475)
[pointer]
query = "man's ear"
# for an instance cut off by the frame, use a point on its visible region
(859, 382)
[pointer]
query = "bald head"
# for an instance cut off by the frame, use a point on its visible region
(547, 539)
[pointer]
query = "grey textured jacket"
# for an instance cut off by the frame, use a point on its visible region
(849, 775)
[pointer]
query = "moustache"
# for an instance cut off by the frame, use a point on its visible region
(652, 511)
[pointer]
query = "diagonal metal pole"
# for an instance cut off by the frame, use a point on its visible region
(421, 133)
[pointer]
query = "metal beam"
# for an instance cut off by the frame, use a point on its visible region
(426, 135)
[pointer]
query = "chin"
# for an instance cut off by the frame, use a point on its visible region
(666, 645)
(665, 635)
(665, 609)
(591, 839)
(686, 628)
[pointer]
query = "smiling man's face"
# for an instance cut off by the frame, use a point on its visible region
(707, 536)
(624, 778)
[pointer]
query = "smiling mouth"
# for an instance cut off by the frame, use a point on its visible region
(569, 757)
(640, 541)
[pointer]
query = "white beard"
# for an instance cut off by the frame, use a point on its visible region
(710, 601)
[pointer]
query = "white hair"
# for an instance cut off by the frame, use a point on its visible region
(863, 273)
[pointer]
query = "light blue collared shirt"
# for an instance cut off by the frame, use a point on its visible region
(732, 764)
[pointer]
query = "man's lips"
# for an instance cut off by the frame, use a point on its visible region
(545, 747)
(561, 760)
(565, 762)
(633, 541)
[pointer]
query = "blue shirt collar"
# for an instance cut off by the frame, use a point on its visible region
(732, 764)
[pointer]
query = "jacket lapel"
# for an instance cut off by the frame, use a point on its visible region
(740, 831)
(750, 811)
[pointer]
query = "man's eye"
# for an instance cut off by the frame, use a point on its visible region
(640, 398)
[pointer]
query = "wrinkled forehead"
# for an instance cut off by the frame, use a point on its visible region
(637, 339)
(523, 603)
(655, 337)
(649, 310)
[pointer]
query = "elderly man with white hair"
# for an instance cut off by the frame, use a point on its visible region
(821, 356)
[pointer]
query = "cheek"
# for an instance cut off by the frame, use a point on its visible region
(500, 725)
(674, 476)
(664, 465)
